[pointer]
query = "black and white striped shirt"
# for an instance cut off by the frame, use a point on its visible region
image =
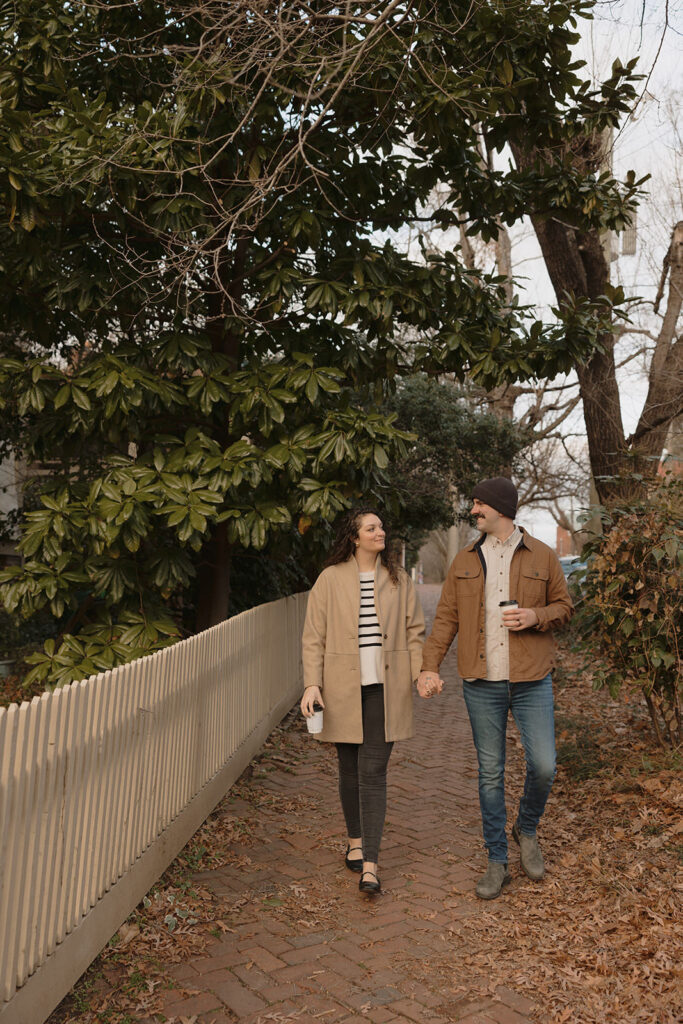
(369, 633)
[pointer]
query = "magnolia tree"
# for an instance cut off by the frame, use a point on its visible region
(205, 299)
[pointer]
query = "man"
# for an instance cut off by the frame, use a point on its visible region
(503, 595)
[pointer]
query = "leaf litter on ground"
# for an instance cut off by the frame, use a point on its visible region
(598, 941)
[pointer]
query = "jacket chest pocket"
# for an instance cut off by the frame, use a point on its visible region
(533, 586)
(468, 583)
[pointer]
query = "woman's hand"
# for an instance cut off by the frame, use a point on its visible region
(312, 695)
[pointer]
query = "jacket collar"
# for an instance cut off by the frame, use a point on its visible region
(350, 567)
(350, 584)
(527, 541)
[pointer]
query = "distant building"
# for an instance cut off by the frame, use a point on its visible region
(564, 543)
(10, 500)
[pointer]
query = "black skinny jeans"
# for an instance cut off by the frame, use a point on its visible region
(363, 775)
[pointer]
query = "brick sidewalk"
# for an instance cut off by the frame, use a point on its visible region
(342, 957)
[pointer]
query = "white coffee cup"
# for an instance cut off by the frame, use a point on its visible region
(504, 605)
(314, 722)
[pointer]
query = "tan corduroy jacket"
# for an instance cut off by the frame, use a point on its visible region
(536, 581)
(331, 658)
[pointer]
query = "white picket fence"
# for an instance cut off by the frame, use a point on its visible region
(104, 781)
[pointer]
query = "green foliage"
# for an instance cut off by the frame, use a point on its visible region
(97, 648)
(287, 565)
(631, 608)
(206, 301)
(10, 635)
(455, 446)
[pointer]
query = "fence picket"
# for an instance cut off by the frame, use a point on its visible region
(20, 871)
(103, 773)
(135, 754)
(145, 698)
(10, 776)
(27, 938)
(54, 797)
(158, 759)
(71, 800)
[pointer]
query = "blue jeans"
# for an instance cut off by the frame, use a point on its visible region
(532, 709)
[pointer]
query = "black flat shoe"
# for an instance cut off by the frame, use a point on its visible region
(372, 888)
(353, 863)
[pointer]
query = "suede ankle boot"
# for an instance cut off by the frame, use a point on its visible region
(491, 883)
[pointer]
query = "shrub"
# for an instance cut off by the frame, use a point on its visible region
(631, 608)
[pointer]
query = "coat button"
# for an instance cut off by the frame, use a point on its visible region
(386, 667)
(481, 655)
(386, 636)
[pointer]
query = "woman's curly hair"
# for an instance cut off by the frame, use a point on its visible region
(344, 545)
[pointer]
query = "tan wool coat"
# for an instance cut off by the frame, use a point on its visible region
(331, 657)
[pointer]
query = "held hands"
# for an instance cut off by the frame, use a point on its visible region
(429, 683)
(517, 619)
(312, 695)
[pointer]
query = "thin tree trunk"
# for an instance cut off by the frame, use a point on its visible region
(502, 399)
(651, 707)
(664, 400)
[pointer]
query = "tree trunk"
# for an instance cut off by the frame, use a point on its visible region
(213, 577)
(604, 427)
(664, 400)
(213, 580)
(577, 264)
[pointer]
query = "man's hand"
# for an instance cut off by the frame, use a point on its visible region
(429, 683)
(517, 619)
(311, 695)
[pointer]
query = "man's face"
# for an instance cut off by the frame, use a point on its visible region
(486, 517)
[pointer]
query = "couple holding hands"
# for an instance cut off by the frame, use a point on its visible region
(364, 648)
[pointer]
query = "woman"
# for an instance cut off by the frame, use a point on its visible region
(362, 648)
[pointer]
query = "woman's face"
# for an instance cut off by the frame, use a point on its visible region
(370, 535)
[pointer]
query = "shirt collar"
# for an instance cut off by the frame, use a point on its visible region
(511, 542)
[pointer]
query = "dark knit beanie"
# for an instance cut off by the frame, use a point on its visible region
(500, 493)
